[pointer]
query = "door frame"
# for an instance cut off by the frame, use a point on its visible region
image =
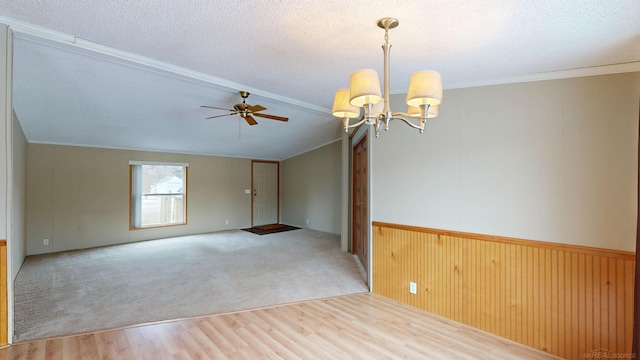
(278, 190)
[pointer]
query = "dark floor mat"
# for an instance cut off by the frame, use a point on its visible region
(270, 229)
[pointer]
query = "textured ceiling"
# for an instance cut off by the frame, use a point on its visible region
(132, 74)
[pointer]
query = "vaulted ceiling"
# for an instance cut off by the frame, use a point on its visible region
(133, 74)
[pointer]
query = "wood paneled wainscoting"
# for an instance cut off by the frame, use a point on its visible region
(4, 320)
(567, 300)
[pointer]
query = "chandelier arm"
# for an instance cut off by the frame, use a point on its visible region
(347, 126)
(404, 118)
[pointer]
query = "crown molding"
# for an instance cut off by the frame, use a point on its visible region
(37, 31)
(554, 75)
(34, 33)
(126, 148)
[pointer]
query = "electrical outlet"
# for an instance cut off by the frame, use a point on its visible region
(45, 242)
(226, 222)
(307, 221)
(413, 288)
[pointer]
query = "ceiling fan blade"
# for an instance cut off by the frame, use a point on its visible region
(217, 116)
(256, 108)
(272, 117)
(250, 120)
(214, 107)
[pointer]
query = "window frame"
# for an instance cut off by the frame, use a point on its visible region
(132, 196)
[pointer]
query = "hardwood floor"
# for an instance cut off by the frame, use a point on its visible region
(361, 326)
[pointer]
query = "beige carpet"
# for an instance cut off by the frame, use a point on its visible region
(88, 290)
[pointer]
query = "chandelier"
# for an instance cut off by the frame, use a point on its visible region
(423, 97)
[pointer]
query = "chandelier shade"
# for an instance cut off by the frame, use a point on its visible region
(365, 87)
(425, 88)
(341, 106)
(377, 109)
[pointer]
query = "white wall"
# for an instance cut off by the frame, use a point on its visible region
(5, 123)
(552, 161)
(18, 239)
(78, 197)
(7, 216)
(311, 188)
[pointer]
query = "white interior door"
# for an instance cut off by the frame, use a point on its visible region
(265, 193)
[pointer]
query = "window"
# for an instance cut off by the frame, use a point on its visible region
(158, 194)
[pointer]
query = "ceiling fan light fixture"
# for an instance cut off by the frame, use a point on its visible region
(246, 111)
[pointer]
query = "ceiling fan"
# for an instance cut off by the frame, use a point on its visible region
(246, 111)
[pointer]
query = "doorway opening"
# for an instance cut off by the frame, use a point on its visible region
(360, 206)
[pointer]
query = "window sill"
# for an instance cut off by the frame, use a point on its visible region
(156, 226)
